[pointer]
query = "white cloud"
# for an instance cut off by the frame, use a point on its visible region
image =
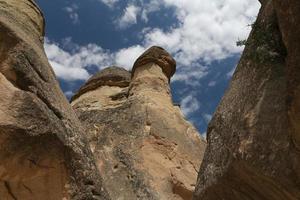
(73, 66)
(212, 83)
(208, 30)
(126, 57)
(69, 73)
(207, 117)
(230, 74)
(109, 3)
(72, 11)
(190, 75)
(129, 16)
(69, 94)
(189, 104)
(152, 6)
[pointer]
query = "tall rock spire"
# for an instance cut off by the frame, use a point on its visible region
(141, 141)
(43, 152)
(151, 75)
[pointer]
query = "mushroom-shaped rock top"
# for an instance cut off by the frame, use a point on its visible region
(111, 76)
(158, 56)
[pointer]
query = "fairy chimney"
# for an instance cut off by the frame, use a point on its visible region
(142, 143)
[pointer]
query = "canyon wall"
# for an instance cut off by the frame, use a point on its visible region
(253, 138)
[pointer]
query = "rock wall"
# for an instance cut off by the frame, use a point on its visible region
(142, 143)
(43, 152)
(253, 138)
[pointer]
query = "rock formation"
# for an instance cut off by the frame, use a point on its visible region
(253, 139)
(142, 144)
(130, 132)
(43, 152)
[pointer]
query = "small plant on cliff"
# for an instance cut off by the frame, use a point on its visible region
(266, 42)
(240, 43)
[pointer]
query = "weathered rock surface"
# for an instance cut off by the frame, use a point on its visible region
(253, 139)
(43, 152)
(133, 134)
(143, 146)
(112, 76)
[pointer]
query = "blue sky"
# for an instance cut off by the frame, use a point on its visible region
(85, 36)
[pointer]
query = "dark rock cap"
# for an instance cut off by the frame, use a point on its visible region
(111, 76)
(158, 56)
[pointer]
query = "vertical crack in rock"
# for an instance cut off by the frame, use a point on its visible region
(27, 188)
(9, 190)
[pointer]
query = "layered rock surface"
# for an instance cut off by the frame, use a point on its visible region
(142, 143)
(253, 139)
(43, 152)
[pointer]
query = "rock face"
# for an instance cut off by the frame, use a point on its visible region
(43, 152)
(253, 139)
(142, 144)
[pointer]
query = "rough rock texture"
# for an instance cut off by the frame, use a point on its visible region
(144, 147)
(253, 139)
(158, 56)
(112, 76)
(288, 13)
(43, 152)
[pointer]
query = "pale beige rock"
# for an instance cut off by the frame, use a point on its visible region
(144, 146)
(99, 98)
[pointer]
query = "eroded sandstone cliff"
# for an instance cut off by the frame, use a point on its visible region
(142, 143)
(43, 152)
(253, 138)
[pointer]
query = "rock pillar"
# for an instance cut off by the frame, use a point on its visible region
(142, 143)
(151, 75)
